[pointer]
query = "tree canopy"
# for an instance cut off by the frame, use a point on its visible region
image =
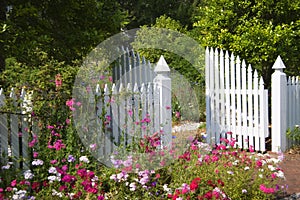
(256, 30)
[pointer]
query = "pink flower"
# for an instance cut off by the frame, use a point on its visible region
(110, 79)
(100, 197)
(64, 168)
(266, 190)
(35, 154)
(177, 114)
(68, 121)
(58, 81)
(130, 113)
(258, 163)
(13, 183)
(70, 103)
(251, 149)
(168, 107)
(53, 162)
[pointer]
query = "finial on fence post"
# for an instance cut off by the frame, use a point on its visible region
(162, 67)
(278, 65)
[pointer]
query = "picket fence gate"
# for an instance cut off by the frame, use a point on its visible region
(15, 127)
(236, 101)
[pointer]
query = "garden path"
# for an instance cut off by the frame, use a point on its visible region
(291, 169)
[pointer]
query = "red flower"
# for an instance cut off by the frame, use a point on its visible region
(194, 184)
(220, 182)
(258, 163)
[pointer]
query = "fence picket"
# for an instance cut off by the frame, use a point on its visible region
(256, 111)
(250, 106)
(222, 96)
(233, 98)
(227, 117)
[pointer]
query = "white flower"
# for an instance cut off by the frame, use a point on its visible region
(6, 166)
(166, 188)
(235, 162)
(132, 186)
(260, 176)
(53, 178)
(84, 159)
(37, 162)
(28, 174)
(271, 167)
(280, 174)
(52, 170)
(113, 177)
(247, 168)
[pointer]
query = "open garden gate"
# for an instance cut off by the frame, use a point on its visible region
(236, 101)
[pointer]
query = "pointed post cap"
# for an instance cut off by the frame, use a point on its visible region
(162, 66)
(279, 65)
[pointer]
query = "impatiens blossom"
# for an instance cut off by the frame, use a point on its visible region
(28, 174)
(266, 190)
(84, 159)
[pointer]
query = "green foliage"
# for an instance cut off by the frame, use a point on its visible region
(65, 30)
(257, 31)
(168, 37)
(146, 12)
(294, 134)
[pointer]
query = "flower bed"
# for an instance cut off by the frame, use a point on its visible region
(201, 172)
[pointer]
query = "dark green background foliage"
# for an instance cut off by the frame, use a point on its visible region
(39, 39)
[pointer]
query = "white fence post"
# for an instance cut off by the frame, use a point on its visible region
(163, 82)
(279, 108)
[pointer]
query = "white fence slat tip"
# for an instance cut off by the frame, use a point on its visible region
(261, 81)
(106, 89)
(289, 81)
(128, 88)
(142, 89)
(207, 50)
(226, 55)
(98, 90)
(135, 88)
(255, 74)
(238, 61)
(243, 63)
(114, 89)
(221, 53)
(121, 88)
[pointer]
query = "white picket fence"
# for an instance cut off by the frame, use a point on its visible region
(285, 106)
(131, 68)
(236, 101)
(14, 129)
